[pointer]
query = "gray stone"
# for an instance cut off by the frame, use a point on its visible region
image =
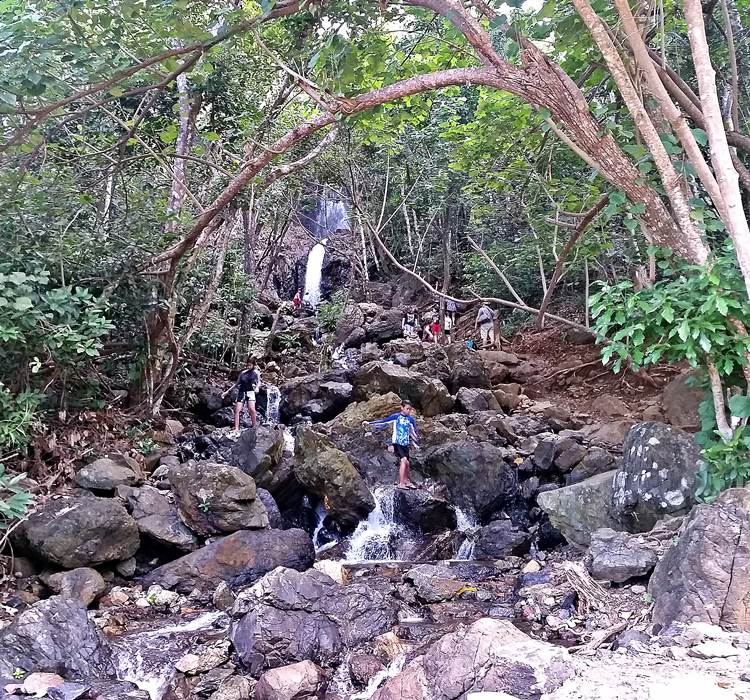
(235, 688)
(544, 454)
(680, 401)
(596, 461)
(300, 681)
(434, 583)
(84, 585)
(501, 539)
(569, 455)
(107, 473)
(272, 509)
(216, 498)
(474, 400)
(422, 510)
(318, 396)
(618, 556)
(657, 476)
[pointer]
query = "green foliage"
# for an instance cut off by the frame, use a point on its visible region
(727, 463)
(14, 499)
(330, 312)
(16, 415)
(288, 341)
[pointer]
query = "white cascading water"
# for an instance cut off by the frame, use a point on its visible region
(273, 395)
(314, 273)
(465, 523)
(320, 516)
(373, 538)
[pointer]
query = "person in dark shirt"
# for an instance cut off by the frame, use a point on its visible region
(247, 385)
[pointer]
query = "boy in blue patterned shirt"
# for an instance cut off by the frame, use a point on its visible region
(404, 434)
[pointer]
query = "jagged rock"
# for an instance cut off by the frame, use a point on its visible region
(705, 576)
(216, 498)
(507, 400)
(376, 407)
(429, 395)
(499, 357)
(474, 400)
(318, 396)
(239, 560)
(423, 511)
(434, 584)
(596, 461)
(272, 509)
(580, 509)
(490, 656)
(207, 399)
(568, 453)
(477, 477)
(290, 616)
(468, 368)
(327, 472)
(107, 473)
(387, 326)
(619, 556)
(544, 454)
(657, 476)
(76, 532)
(84, 585)
(207, 658)
(157, 518)
(363, 667)
(300, 681)
(609, 406)
(501, 539)
(235, 688)
(680, 401)
(609, 434)
(54, 636)
(258, 452)
(356, 338)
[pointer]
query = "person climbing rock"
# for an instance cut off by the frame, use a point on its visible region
(450, 310)
(409, 324)
(404, 434)
(297, 300)
(435, 330)
(247, 385)
(486, 324)
(448, 328)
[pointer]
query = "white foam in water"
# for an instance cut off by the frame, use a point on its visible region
(314, 273)
(372, 540)
(320, 514)
(395, 667)
(464, 523)
(273, 402)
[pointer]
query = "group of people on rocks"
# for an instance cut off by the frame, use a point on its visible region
(430, 329)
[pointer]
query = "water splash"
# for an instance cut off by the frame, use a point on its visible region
(374, 538)
(466, 523)
(394, 668)
(320, 516)
(314, 273)
(273, 394)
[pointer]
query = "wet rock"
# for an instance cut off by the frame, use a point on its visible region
(209, 657)
(107, 473)
(490, 656)
(501, 539)
(596, 461)
(375, 407)
(680, 401)
(434, 583)
(315, 396)
(475, 473)
(363, 667)
(422, 510)
(429, 395)
(290, 616)
(300, 681)
(84, 585)
(216, 498)
(705, 576)
(657, 476)
(328, 473)
(53, 636)
(473, 400)
(239, 559)
(580, 509)
(272, 509)
(618, 556)
(76, 532)
(157, 518)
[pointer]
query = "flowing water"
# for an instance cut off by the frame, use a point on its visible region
(466, 523)
(147, 658)
(314, 273)
(331, 214)
(273, 402)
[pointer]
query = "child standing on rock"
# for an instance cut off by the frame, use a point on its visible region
(404, 433)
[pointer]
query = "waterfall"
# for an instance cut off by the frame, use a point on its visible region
(320, 516)
(375, 538)
(330, 215)
(466, 523)
(273, 401)
(314, 273)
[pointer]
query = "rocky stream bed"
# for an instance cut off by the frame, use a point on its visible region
(544, 554)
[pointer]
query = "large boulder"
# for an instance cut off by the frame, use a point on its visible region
(239, 560)
(216, 498)
(290, 616)
(258, 452)
(157, 518)
(489, 656)
(107, 473)
(467, 368)
(657, 476)
(327, 472)
(387, 326)
(475, 400)
(580, 509)
(378, 406)
(421, 510)
(429, 395)
(75, 532)
(501, 538)
(300, 681)
(475, 473)
(705, 575)
(315, 396)
(434, 583)
(83, 585)
(54, 636)
(680, 400)
(619, 556)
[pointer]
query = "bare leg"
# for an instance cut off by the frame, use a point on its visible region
(237, 411)
(253, 414)
(403, 472)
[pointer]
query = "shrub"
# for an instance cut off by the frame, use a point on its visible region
(14, 499)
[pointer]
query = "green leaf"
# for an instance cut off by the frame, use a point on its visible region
(721, 305)
(740, 406)
(700, 136)
(23, 304)
(683, 331)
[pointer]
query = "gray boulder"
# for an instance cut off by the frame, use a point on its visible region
(475, 400)
(421, 510)
(467, 368)
(75, 532)
(157, 518)
(290, 616)
(107, 473)
(619, 556)
(272, 509)
(83, 585)
(434, 583)
(680, 401)
(657, 476)
(300, 681)
(596, 461)
(216, 498)
(239, 559)
(705, 575)
(580, 509)
(387, 326)
(54, 636)
(318, 396)
(258, 452)
(501, 539)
